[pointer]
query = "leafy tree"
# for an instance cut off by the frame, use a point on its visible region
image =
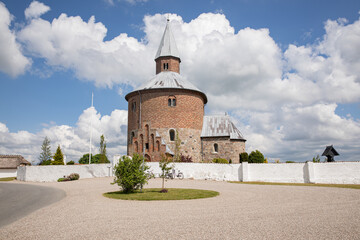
(316, 159)
(95, 159)
(70, 163)
(165, 169)
(130, 173)
(58, 157)
(244, 157)
(45, 155)
(103, 158)
(256, 157)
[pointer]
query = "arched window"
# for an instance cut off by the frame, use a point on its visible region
(133, 106)
(172, 134)
(153, 142)
(216, 147)
(172, 101)
(157, 146)
(141, 143)
(132, 137)
(136, 147)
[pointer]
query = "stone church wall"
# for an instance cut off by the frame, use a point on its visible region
(228, 149)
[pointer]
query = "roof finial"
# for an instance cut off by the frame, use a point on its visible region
(167, 18)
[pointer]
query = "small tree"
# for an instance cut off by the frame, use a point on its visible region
(165, 169)
(316, 159)
(130, 173)
(256, 157)
(103, 158)
(85, 159)
(244, 157)
(58, 157)
(45, 155)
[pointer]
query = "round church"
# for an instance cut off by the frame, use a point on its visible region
(166, 116)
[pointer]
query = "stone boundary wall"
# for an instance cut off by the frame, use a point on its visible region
(337, 172)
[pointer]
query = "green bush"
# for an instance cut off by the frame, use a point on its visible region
(70, 163)
(289, 162)
(47, 162)
(74, 176)
(95, 159)
(256, 157)
(130, 173)
(244, 157)
(64, 179)
(220, 160)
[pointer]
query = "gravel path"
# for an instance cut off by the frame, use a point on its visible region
(240, 212)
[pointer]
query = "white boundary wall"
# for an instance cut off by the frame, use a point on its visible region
(338, 172)
(4, 173)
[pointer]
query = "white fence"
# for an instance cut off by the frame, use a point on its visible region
(337, 172)
(4, 173)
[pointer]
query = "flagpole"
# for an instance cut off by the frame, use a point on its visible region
(92, 105)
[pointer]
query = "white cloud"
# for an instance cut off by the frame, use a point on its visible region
(12, 61)
(74, 141)
(285, 101)
(36, 9)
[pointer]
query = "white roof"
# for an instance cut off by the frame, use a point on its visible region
(167, 45)
(167, 79)
(220, 126)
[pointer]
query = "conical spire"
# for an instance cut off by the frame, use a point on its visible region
(167, 46)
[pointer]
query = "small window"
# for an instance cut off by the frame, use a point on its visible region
(172, 101)
(172, 135)
(133, 106)
(132, 137)
(216, 147)
(147, 146)
(166, 66)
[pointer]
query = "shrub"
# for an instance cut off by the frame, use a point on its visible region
(289, 162)
(130, 173)
(47, 162)
(185, 158)
(244, 157)
(74, 176)
(256, 157)
(64, 179)
(70, 163)
(220, 160)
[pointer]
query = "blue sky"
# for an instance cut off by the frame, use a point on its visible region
(292, 90)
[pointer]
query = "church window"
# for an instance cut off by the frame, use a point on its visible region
(172, 134)
(172, 101)
(216, 147)
(147, 146)
(133, 106)
(166, 66)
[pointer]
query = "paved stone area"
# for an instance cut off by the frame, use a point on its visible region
(240, 212)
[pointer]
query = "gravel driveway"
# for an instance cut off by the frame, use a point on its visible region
(240, 212)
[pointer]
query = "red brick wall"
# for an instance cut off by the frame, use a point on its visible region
(174, 64)
(187, 114)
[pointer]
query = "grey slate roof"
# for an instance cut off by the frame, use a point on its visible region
(12, 161)
(167, 45)
(167, 80)
(220, 126)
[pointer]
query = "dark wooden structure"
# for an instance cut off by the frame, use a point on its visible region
(329, 153)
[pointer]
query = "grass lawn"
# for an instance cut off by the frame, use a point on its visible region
(6, 179)
(151, 194)
(355, 186)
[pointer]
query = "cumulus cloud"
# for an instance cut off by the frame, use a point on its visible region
(36, 9)
(284, 101)
(74, 141)
(12, 61)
